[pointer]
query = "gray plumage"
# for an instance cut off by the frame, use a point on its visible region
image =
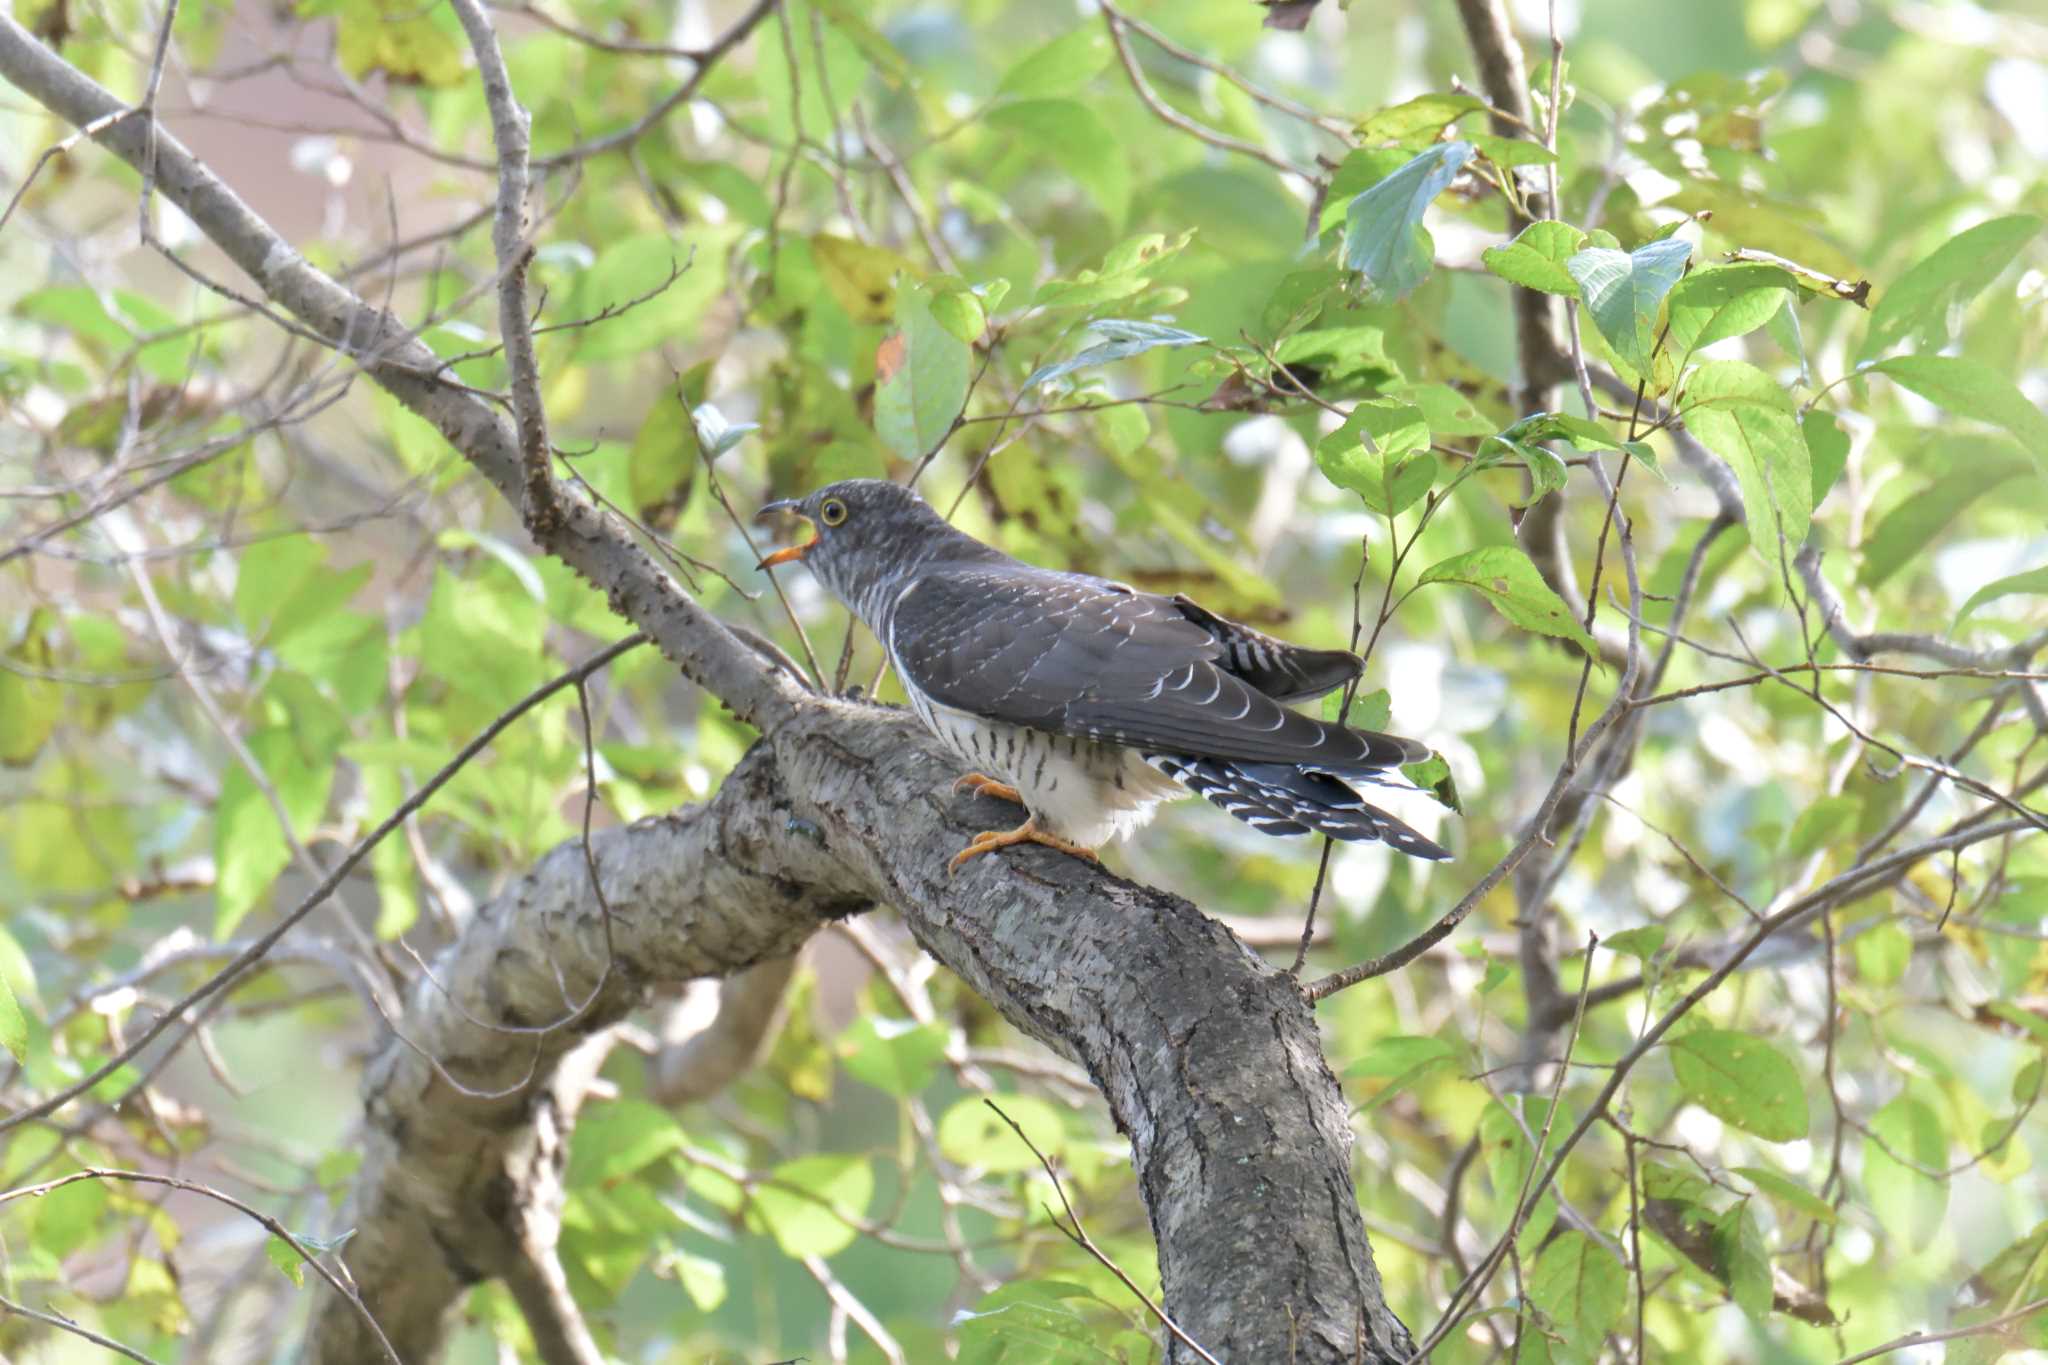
(1093, 700)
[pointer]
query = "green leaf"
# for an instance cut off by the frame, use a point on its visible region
(1032, 1322)
(1061, 67)
(1971, 469)
(1126, 338)
(1742, 1080)
(250, 848)
(959, 310)
(1382, 454)
(1624, 292)
(1821, 822)
(613, 1141)
(1943, 281)
(1971, 389)
(1580, 1287)
(1788, 1192)
(860, 277)
(1536, 258)
(1426, 1064)
(1448, 412)
(1510, 152)
(1906, 1204)
(1827, 447)
(851, 19)
(899, 1056)
(1384, 239)
(2034, 581)
(1882, 953)
(972, 1134)
(1505, 577)
(1074, 136)
(1641, 942)
(1425, 114)
(1398, 1054)
(1369, 710)
(286, 1258)
(1744, 416)
(2026, 1020)
(1723, 301)
(13, 1025)
(918, 399)
(1740, 1257)
(661, 467)
(633, 303)
(802, 1202)
(702, 1278)
(30, 707)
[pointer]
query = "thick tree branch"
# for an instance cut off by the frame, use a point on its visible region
(1209, 1059)
(463, 1184)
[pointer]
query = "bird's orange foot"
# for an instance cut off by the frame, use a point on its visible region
(1026, 833)
(984, 785)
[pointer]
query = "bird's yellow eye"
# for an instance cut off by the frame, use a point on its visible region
(832, 511)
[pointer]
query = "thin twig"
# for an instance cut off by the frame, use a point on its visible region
(1078, 1235)
(1114, 19)
(319, 894)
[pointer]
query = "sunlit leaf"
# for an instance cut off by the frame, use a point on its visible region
(1744, 416)
(1920, 302)
(1580, 1286)
(1503, 575)
(1126, 338)
(922, 393)
(2033, 582)
(1903, 1158)
(1060, 67)
(1742, 1080)
(1723, 301)
(1624, 293)
(972, 1134)
(1536, 258)
(1382, 454)
(1384, 239)
(805, 1203)
(1969, 388)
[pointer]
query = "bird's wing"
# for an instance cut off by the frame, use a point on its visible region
(1283, 671)
(1077, 657)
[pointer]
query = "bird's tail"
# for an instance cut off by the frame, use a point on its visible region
(1280, 798)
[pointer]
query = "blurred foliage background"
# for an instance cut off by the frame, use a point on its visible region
(870, 232)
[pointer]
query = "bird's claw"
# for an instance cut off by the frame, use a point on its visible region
(1027, 833)
(984, 785)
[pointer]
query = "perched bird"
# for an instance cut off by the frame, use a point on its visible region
(1086, 701)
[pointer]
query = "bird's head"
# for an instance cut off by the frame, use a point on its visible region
(863, 531)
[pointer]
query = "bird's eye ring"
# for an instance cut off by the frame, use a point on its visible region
(832, 512)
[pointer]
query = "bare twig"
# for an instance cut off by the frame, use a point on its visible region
(1975, 1329)
(255, 952)
(1078, 1235)
(510, 125)
(269, 1224)
(1114, 19)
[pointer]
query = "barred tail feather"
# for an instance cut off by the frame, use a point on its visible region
(1281, 799)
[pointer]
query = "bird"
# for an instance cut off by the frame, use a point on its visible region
(1085, 700)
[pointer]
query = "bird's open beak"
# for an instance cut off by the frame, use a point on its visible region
(789, 554)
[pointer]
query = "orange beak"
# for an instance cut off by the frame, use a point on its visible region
(788, 554)
(791, 553)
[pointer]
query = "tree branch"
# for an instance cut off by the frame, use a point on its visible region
(1209, 1058)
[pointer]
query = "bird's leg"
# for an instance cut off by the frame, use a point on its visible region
(984, 785)
(1026, 833)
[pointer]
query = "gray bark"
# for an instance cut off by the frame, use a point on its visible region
(1208, 1057)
